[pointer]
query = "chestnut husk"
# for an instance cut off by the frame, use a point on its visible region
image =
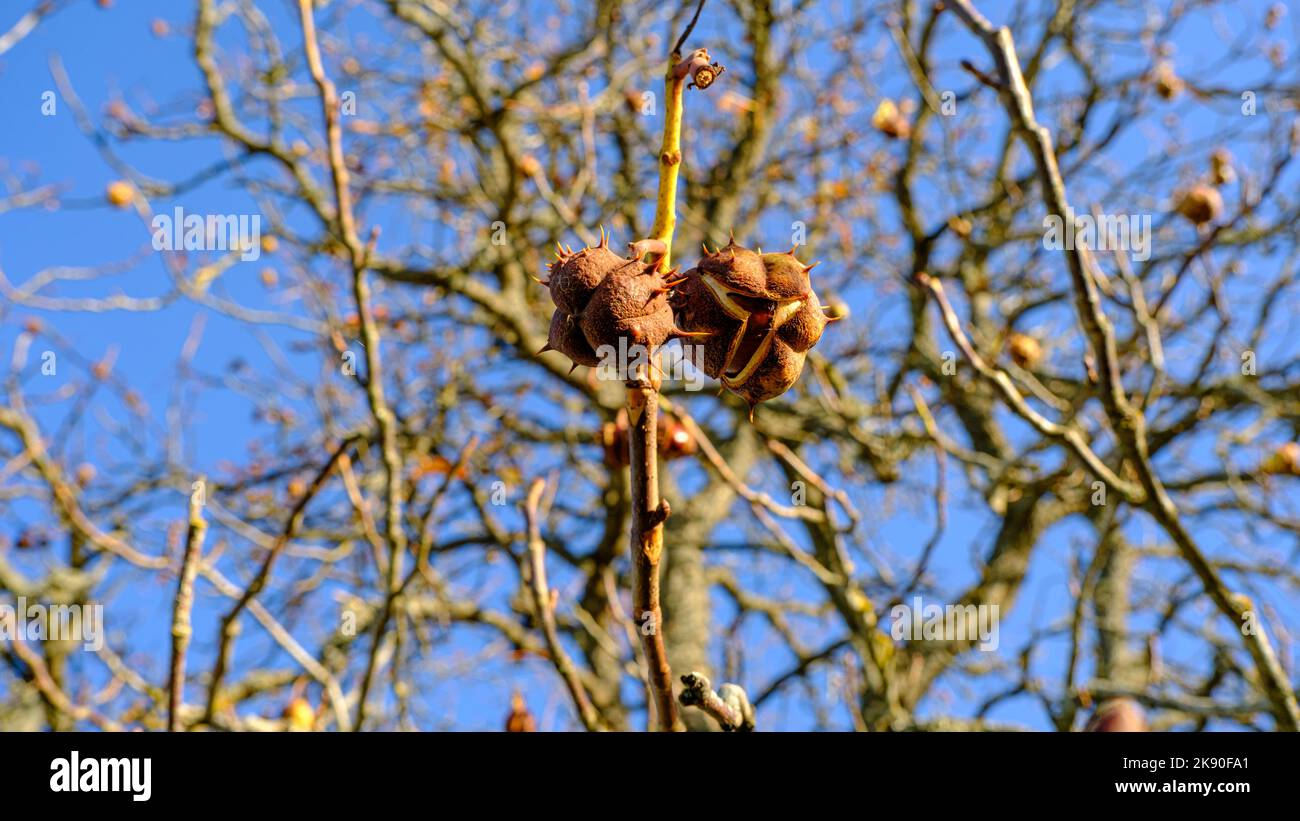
(760, 314)
(602, 299)
(574, 277)
(566, 337)
(630, 303)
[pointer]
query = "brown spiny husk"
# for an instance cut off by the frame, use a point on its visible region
(803, 329)
(630, 303)
(575, 277)
(775, 374)
(761, 315)
(566, 337)
(698, 312)
(604, 299)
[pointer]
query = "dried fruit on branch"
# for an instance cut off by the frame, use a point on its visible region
(1167, 83)
(300, 715)
(1025, 350)
(888, 120)
(120, 193)
(674, 440)
(520, 720)
(631, 304)
(566, 337)
(758, 317)
(602, 299)
(1201, 204)
(1221, 170)
(576, 275)
(1284, 461)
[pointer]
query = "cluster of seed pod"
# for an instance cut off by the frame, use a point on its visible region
(675, 441)
(756, 315)
(601, 299)
(760, 316)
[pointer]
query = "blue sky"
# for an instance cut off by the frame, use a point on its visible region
(114, 52)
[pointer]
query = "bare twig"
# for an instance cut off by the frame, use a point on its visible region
(545, 611)
(729, 705)
(181, 629)
(1127, 421)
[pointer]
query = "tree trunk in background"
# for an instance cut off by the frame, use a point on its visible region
(1117, 658)
(688, 611)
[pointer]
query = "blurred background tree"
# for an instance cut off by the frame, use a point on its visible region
(335, 441)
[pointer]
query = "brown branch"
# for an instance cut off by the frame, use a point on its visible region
(719, 464)
(1069, 435)
(1128, 423)
(181, 629)
(28, 22)
(54, 695)
(535, 567)
(648, 515)
(729, 705)
(374, 383)
(64, 496)
(230, 622)
(681, 41)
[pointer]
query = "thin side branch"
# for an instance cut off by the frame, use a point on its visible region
(729, 705)
(181, 629)
(545, 612)
(1127, 421)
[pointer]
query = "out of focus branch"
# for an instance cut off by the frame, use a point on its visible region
(729, 705)
(181, 629)
(544, 610)
(1127, 422)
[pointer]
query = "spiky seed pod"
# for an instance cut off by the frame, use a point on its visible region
(741, 268)
(787, 277)
(566, 337)
(631, 303)
(1201, 204)
(772, 375)
(574, 277)
(602, 299)
(697, 311)
(761, 315)
(674, 440)
(803, 329)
